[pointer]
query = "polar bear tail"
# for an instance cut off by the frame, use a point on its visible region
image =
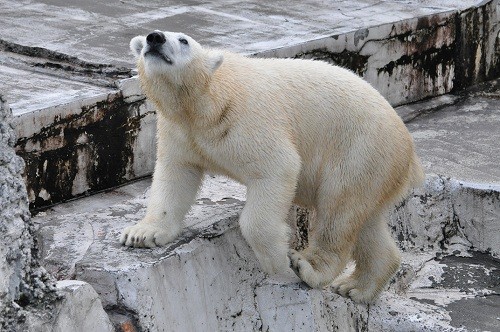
(414, 178)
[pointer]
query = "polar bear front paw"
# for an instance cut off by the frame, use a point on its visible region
(146, 235)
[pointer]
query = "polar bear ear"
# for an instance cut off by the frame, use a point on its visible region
(215, 59)
(136, 45)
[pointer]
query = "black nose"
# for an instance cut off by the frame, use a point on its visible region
(156, 38)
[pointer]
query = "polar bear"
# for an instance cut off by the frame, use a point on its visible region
(292, 131)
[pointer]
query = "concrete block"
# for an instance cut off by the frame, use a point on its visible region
(477, 212)
(85, 146)
(131, 90)
(80, 310)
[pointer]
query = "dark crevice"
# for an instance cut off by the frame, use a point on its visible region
(347, 59)
(123, 318)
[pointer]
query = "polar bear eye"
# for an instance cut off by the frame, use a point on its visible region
(183, 41)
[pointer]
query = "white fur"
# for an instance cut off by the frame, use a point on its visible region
(292, 131)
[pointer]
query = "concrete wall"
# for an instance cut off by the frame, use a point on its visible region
(416, 58)
(86, 146)
(108, 138)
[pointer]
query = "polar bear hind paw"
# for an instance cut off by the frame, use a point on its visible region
(350, 287)
(304, 270)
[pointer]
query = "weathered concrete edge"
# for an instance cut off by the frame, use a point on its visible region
(125, 293)
(116, 298)
(463, 51)
(354, 40)
(412, 111)
(28, 124)
(61, 145)
(449, 215)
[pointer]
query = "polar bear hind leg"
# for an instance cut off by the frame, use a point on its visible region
(334, 232)
(377, 260)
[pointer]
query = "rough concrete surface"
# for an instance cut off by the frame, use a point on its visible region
(30, 299)
(25, 287)
(14, 212)
(210, 262)
(81, 309)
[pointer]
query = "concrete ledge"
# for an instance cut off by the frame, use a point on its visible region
(209, 278)
(450, 215)
(85, 146)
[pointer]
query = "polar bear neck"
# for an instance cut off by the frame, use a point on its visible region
(171, 93)
(187, 100)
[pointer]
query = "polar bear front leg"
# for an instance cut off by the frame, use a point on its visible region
(172, 193)
(263, 222)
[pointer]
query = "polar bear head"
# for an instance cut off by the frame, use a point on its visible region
(174, 56)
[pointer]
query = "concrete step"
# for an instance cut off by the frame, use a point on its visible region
(209, 278)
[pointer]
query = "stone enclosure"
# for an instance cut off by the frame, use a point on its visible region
(77, 148)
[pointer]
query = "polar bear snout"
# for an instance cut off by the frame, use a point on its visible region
(156, 38)
(156, 42)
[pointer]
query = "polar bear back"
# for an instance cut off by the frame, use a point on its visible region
(321, 103)
(331, 114)
(293, 86)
